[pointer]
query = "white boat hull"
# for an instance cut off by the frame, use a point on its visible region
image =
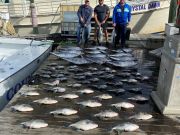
(12, 81)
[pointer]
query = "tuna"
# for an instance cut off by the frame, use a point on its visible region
(34, 124)
(84, 125)
(78, 61)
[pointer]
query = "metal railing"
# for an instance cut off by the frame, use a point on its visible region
(42, 8)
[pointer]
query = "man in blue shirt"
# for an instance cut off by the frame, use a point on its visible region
(84, 14)
(121, 18)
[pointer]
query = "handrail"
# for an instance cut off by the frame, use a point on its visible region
(47, 8)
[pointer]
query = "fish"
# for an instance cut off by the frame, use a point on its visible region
(85, 82)
(62, 79)
(57, 89)
(123, 74)
(90, 103)
(141, 116)
(94, 79)
(119, 83)
(106, 114)
(121, 55)
(52, 68)
(96, 56)
(93, 52)
(65, 54)
(22, 108)
(100, 86)
(72, 67)
(100, 35)
(145, 78)
(71, 48)
(45, 76)
(54, 83)
(34, 124)
(46, 101)
(46, 72)
(30, 93)
(52, 64)
(135, 90)
(133, 81)
(125, 105)
(64, 111)
(71, 51)
(139, 99)
(127, 127)
(103, 96)
(122, 64)
(86, 91)
(84, 125)
(69, 96)
(124, 58)
(78, 61)
(59, 67)
(117, 91)
(75, 85)
(107, 76)
(96, 48)
(93, 69)
(79, 77)
(57, 75)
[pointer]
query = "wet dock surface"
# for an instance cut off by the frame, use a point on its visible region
(58, 125)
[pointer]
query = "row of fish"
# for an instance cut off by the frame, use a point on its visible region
(99, 55)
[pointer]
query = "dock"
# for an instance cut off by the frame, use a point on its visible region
(158, 125)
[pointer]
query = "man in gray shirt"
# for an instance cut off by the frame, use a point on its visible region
(101, 14)
(84, 14)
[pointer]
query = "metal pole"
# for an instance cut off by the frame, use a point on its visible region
(34, 17)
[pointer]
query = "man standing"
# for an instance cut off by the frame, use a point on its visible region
(121, 19)
(84, 14)
(101, 14)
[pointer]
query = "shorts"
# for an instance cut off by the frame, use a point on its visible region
(104, 26)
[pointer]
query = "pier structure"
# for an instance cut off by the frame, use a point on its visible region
(168, 90)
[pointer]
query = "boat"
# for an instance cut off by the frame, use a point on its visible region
(148, 16)
(19, 59)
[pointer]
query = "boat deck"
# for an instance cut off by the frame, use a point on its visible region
(158, 125)
(17, 53)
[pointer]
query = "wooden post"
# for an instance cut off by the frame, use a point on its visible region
(34, 17)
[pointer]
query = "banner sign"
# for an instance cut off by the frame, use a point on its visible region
(145, 6)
